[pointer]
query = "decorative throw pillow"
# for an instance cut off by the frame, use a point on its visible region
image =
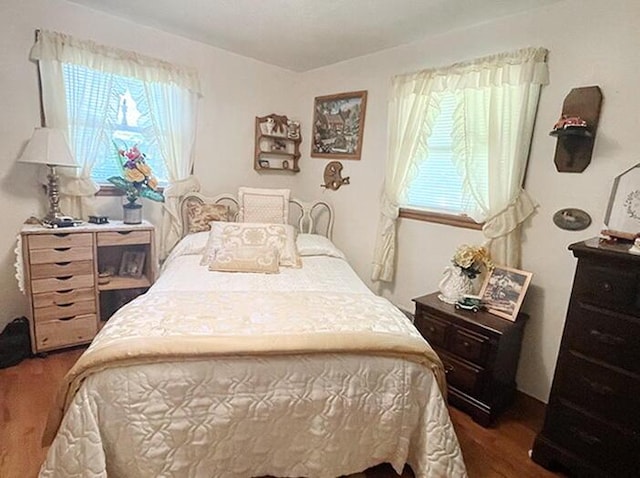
(261, 259)
(199, 216)
(317, 245)
(282, 237)
(267, 206)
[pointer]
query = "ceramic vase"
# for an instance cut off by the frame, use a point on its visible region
(132, 213)
(453, 285)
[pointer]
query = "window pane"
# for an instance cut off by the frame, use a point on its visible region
(128, 122)
(438, 185)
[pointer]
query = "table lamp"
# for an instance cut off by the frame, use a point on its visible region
(49, 146)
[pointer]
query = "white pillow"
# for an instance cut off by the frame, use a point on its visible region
(282, 237)
(191, 244)
(317, 245)
(266, 206)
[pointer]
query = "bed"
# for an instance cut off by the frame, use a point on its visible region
(304, 372)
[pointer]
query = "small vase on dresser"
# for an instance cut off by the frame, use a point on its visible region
(454, 285)
(132, 213)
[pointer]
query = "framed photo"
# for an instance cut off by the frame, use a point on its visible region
(132, 264)
(623, 211)
(503, 291)
(338, 125)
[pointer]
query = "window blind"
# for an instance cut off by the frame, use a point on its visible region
(127, 124)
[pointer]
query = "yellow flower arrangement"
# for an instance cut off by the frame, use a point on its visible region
(137, 178)
(470, 260)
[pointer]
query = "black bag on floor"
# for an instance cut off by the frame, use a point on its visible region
(15, 342)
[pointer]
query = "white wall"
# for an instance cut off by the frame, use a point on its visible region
(235, 90)
(590, 43)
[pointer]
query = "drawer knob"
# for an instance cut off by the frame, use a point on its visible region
(596, 387)
(124, 233)
(581, 435)
(466, 344)
(605, 338)
(607, 287)
(65, 319)
(448, 368)
(61, 249)
(431, 328)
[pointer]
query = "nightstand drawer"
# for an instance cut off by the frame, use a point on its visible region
(605, 335)
(61, 254)
(122, 238)
(462, 376)
(59, 269)
(62, 311)
(434, 330)
(62, 297)
(61, 283)
(57, 240)
(595, 387)
(470, 346)
(62, 333)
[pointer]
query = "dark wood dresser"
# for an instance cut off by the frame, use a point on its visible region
(480, 353)
(592, 422)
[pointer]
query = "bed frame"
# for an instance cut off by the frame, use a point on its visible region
(308, 217)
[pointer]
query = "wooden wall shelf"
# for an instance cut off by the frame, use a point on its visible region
(277, 148)
(575, 144)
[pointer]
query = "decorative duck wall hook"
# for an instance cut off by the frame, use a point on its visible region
(333, 176)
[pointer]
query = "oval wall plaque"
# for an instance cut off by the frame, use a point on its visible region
(571, 219)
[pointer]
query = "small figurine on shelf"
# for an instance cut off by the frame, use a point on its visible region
(293, 129)
(269, 125)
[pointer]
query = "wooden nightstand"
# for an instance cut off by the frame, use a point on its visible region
(66, 303)
(480, 353)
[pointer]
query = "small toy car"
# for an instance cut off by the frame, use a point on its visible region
(570, 122)
(469, 302)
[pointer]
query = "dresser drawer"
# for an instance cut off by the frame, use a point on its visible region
(61, 283)
(607, 286)
(122, 238)
(59, 269)
(62, 297)
(604, 446)
(59, 333)
(468, 345)
(62, 311)
(594, 387)
(61, 254)
(605, 335)
(432, 329)
(462, 376)
(59, 240)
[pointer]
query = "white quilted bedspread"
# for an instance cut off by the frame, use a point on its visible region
(320, 415)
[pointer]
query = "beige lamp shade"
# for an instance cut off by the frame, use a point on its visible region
(48, 146)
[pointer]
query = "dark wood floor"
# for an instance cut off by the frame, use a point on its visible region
(26, 391)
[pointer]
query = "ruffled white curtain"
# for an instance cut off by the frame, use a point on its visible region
(498, 100)
(173, 112)
(412, 110)
(175, 84)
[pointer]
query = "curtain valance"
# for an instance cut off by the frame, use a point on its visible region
(63, 48)
(525, 66)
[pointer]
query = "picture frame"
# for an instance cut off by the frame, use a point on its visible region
(132, 264)
(622, 217)
(503, 291)
(338, 125)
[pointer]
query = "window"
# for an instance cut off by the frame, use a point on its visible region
(114, 109)
(439, 185)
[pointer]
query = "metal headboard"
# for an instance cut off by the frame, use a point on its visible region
(308, 217)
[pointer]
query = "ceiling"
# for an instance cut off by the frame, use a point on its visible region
(302, 35)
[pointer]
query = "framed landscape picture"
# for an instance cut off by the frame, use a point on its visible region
(503, 291)
(338, 125)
